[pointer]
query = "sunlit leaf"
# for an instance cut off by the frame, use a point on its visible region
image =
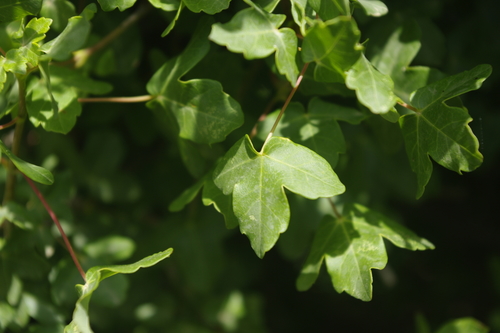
(256, 34)
(80, 322)
(38, 174)
(441, 131)
(208, 6)
(352, 246)
(204, 113)
(373, 89)
(257, 181)
(373, 7)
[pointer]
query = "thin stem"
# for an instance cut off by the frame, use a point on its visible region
(334, 207)
(288, 99)
(58, 225)
(408, 106)
(9, 124)
(18, 133)
(135, 99)
(82, 55)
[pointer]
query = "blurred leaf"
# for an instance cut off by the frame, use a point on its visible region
(108, 5)
(205, 114)
(333, 45)
(442, 131)
(372, 7)
(257, 181)
(11, 10)
(80, 322)
(38, 174)
(351, 246)
(208, 6)
(373, 89)
(255, 33)
(188, 195)
(18, 215)
(111, 248)
(166, 5)
(73, 36)
(59, 11)
(464, 325)
(329, 9)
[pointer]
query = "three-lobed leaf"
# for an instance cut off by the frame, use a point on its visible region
(204, 113)
(255, 33)
(93, 277)
(441, 131)
(351, 246)
(257, 180)
(334, 46)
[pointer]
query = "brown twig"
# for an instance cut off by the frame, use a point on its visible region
(9, 124)
(135, 99)
(58, 225)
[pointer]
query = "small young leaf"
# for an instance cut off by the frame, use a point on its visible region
(11, 10)
(257, 181)
(38, 174)
(208, 6)
(80, 322)
(205, 114)
(373, 7)
(333, 45)
(255, 33)
(351, 246)
(373, 89)
(442, 131)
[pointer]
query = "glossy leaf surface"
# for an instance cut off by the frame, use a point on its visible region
(256, 34)
(204, 113)
(257, 181)
(442, 131)
(351, 246)
(333, 45)
(94, 276)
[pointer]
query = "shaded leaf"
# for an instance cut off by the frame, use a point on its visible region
(36, 173)
(257, 181)
(171, 25)
(441, 131)
(254, 32)
(317, 129)
(351, 246)
(373, 89)
(333, 45)
(11, 10)
(59, 11)
(373, 7)
(329, 9)
(205, 114)
(108, 5)
(208, 6)
(464, 325)
(80, 322)
(188, 195)
(223, 203)
(73, 36)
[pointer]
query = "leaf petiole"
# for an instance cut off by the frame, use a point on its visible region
(135, 99)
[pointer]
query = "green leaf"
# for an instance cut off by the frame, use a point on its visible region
(166, 5)
(108, 5)
(73, 36)
(373, 89)
(299, 14)
(11, 10)
(254, 32)
(333, 45)
(18, 215)
(111, 248)
(42, 112)
(464, 325)
(208, 6)
(205, 114)
(212, 195)
(317, 129)
(440, 130)
(257, 181)
(329, 9)
(38, 174)
(172, 23)
(68, 78)
(59, 11)
(373, 7)
(3, 74)
(351, 246)
(188, 195)
(80, 322)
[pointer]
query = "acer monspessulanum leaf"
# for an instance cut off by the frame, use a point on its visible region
(257, 182)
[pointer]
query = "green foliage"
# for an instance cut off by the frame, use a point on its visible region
(296, 123)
